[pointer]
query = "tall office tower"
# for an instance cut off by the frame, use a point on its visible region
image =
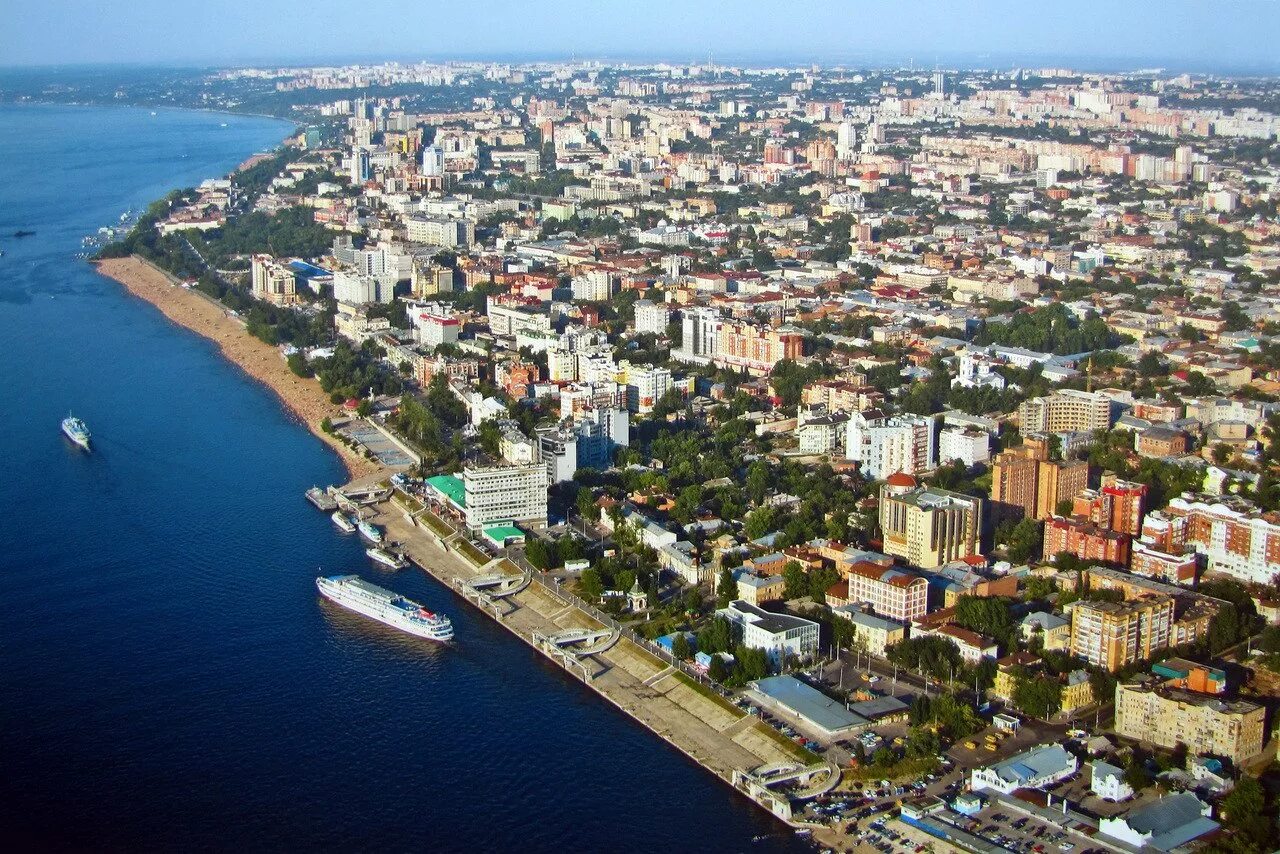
(846, 141)
(432, 161)
(359, 166)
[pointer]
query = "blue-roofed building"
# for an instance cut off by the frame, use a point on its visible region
(1167, 824)
(812, 709)
(1035, 769)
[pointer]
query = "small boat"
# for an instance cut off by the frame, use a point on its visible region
(387, 558)
(23, 233)
(369, 530)
(75, 430)
(344, 524)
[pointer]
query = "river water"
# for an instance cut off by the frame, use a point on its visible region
(168, 677)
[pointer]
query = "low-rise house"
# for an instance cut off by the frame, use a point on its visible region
(1171, 822)
(1035, 769)
(1107, 782)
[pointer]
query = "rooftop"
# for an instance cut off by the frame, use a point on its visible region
(822, 711)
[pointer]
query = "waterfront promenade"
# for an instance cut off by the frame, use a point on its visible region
(691, 717)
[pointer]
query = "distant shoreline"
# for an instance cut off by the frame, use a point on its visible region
(194, 311)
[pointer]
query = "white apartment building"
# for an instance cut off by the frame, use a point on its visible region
(1066, 410)
(822, 434)
(885, 445)
(1233, 535)
(440, 231)
(646, 385)
(594, 285)
(779, 635)
(652, 317)
(356, 289)
(511, 320)
(700, 335)
(969, 445)
(516, 493)
(433, 324)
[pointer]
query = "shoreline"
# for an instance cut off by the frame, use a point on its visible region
(303, 398)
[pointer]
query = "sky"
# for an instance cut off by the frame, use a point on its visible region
(1192, 35)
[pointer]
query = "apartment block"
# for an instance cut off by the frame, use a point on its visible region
(883, 445)
(1067, 410)
(888, 591)
(1113, 634)
(1025, 483)
(1085, 540)
(1233, 535)
(1157, 714)
(272, 282)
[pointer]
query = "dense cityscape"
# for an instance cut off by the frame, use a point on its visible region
(901, 443)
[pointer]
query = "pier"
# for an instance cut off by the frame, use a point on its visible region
(604, 657)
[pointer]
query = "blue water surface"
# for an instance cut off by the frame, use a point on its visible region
(168, 678)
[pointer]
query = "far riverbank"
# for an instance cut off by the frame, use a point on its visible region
(194, 311)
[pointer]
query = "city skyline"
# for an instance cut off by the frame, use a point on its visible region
(1227, 38)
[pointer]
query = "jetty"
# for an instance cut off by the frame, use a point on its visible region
(628, 671)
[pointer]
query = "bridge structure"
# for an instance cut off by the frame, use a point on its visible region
(572, 647)
(488, 591)
(777, 785)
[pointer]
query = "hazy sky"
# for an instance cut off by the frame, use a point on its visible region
(1191, 34)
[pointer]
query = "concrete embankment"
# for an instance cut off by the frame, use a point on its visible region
(692, 718)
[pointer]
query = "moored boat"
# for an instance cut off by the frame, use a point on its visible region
(392, 609)
(345, 525)
(387, 558)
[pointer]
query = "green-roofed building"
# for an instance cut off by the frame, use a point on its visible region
(504, 535)
(449, 488)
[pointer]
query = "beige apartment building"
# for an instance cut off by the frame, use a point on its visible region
(1113, 634)
(927, 527)
(1167, 717)
(1065, 410)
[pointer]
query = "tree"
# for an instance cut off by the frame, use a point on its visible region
(796, 581)
(726, 588)
(1222, 453)
(590, 583)
(1244, 812)
(716, 637)
(1038, 696)
(1024, 540)
(717, 670)
(680, 647)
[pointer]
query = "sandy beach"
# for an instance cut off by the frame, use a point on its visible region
(302, 397)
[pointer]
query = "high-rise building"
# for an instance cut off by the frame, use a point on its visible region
(1233, 535)
(505, 494)
(700, 334)
(652, 317)
(432, 161)
(846, 141)
(926, 526)
(273, 282)
(1117, 504)
(1113, 634)
(1025, 483)
(646, 385)
(1066, 410)
(359, 166)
